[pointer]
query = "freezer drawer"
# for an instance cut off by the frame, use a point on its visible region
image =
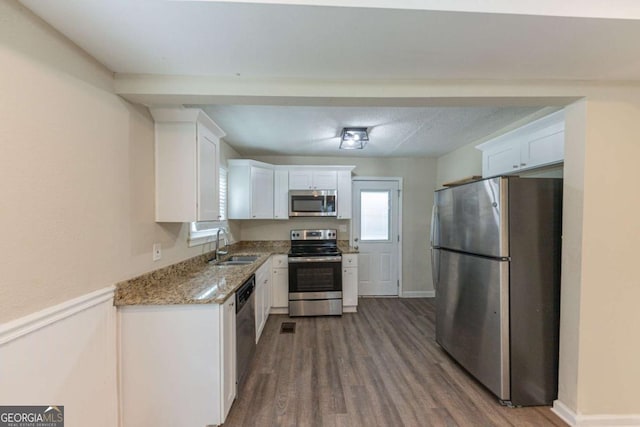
(472, 316)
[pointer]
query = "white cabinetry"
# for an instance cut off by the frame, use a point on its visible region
(344, 194)
(186, 165)
(250, 189)
(349, 282)
(539, 143)
(280, 284)
(313, 179)
(228, 355)
(263, 296)
(281, 193)
(176, 357)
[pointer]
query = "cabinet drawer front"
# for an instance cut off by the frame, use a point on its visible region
(280, 261)
(349, 260)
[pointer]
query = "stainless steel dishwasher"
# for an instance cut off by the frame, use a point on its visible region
(245, 328)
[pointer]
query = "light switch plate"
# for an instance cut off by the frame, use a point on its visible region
(157, 251)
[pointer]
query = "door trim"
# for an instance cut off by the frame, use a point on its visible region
(399, 180)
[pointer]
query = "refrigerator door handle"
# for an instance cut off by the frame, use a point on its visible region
(435, 269)
(434, 216)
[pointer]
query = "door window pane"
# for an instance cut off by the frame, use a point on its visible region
(374, 215)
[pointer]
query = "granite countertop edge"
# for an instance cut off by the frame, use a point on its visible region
(195, 281)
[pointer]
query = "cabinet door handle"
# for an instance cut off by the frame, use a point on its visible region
(515, 166)
(523, 164)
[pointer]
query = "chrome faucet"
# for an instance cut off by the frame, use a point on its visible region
(226, 242)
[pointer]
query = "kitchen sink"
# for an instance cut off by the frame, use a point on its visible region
(242, 258)
(234, 262)
(238, 260)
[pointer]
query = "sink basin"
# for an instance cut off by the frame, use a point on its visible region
(243, 258)
(239, 260)
(234, 262)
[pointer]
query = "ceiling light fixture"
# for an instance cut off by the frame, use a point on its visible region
(353, 138)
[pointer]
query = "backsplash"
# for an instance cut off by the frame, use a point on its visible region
(279, 229)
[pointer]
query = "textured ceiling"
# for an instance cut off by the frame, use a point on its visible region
(396, 132)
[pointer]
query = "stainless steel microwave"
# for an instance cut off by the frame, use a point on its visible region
(312, 203)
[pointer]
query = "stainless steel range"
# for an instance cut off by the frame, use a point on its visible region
(315, 273)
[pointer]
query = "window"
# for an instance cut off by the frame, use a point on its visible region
(223, 194)
(374, 215)
(205, 231)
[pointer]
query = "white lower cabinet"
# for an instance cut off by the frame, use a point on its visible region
(177, 364)
(280, 284)
(349, 283)
(263, 296)
(229, 356)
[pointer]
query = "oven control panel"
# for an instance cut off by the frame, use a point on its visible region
(330, 234)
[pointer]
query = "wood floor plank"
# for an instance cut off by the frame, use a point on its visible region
(378, 367)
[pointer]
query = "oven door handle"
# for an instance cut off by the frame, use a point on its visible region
(295, 260)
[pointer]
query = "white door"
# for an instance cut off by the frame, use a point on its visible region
(376, 234)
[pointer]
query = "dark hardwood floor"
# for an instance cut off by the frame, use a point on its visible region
(379, 367)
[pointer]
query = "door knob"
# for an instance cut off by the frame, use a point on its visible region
(355, 239)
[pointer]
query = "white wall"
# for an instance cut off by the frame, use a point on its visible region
(461, 163)
(419, 180)
(572, 210)
(76, 168)
(609, 319)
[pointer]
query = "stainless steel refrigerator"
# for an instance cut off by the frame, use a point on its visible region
(496, 266)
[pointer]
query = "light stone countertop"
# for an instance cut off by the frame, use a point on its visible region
(344, 247)
(195, 281)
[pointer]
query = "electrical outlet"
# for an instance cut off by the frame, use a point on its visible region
(157, 251)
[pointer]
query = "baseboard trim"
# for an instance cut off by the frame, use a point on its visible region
(418, 294)
(601, 420)
(25, 325)
(563, 411)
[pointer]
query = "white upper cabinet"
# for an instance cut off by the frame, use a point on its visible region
(250, 189)
(310, 179)
(503, 159)
(539, 143)
(344, 194)
(187, 147)
(280, 194)
(260, 190)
